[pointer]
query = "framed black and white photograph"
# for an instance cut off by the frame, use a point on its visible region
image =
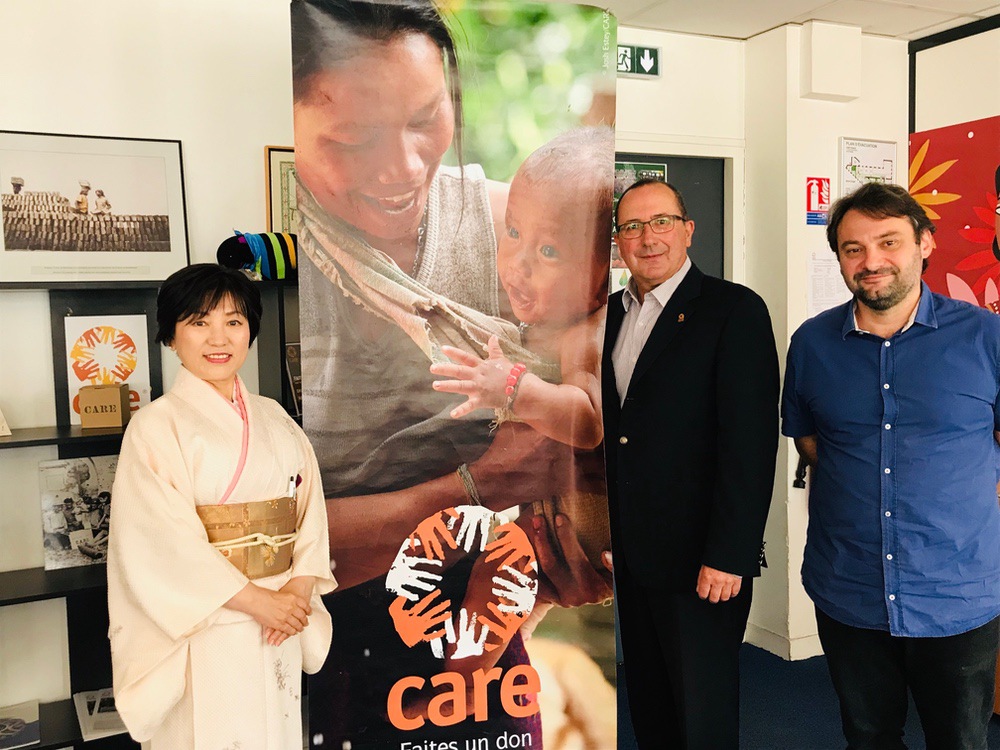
(83, 209)
(76, 509)
(282, 208)
(99, 339)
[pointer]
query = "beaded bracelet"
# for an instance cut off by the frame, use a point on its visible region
(471, 491)
(513, 382)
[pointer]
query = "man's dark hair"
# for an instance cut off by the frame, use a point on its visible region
(197, 290)
(652, 181)
(879, 201)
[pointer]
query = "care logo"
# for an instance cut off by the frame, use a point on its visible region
(103, 355)
(468, 636)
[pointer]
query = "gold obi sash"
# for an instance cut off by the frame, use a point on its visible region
(258, 538)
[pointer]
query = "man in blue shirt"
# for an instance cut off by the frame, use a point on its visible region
(892, 398)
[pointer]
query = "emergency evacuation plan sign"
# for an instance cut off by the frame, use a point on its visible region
(638, 62)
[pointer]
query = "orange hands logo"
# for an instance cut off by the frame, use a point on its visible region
(103, 354)
(512, 545)
(503, 582)
(503, 626)
(431, 532)
(423, 621)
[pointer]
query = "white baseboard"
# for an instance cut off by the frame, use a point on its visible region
(789, 649)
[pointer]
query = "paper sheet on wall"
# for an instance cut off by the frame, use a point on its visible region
(826, 286)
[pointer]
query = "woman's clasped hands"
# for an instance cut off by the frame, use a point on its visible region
(281, 613)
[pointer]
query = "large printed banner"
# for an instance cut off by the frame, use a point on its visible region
(955, 176)
(455, 170)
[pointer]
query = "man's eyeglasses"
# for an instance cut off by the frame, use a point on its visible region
(631, 230)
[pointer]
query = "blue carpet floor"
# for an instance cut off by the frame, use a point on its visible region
(789, 706)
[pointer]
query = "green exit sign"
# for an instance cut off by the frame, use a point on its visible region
(640, 62)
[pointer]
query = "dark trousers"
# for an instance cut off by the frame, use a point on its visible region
(681, 659)
(951, 680)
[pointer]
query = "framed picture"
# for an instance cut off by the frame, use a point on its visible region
(282, 210)
(293, 366)
(76, 509)
(100, 338)
(864, 160)
(83, 209)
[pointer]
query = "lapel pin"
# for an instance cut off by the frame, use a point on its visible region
(680, 318)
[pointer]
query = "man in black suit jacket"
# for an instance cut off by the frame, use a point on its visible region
(690, 390)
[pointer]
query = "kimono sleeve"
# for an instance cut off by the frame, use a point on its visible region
(164, 567)
(312, 548)
(165, 581)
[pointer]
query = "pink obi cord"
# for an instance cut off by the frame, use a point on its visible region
(241, 408)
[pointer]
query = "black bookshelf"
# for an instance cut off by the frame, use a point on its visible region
(34, 436)
(58, 725)
(60, 728)
(37, 584)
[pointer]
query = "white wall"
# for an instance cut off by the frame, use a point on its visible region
(958, 82)
(698, 96)
(767, 123)
(695, 108)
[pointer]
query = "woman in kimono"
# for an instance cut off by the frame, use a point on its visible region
(219, 548)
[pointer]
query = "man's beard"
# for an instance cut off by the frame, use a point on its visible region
(887, 298)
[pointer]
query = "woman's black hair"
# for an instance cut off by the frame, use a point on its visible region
(325, 33)
(197, 290)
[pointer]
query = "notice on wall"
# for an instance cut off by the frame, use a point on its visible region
(826, 286)
(863, 160)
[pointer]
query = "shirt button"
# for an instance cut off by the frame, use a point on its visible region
(623, 440)
(892, 597)
(888, 427)
(888, 344)
(887, 514)
(886, 386)
(888, 557)
(888, 471)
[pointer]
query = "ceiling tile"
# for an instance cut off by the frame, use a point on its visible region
(931, 30)
(729, 18)
(878, 17)
(624, 9)
(950, 7)
(741, 19)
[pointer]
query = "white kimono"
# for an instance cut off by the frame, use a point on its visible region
(189, 673)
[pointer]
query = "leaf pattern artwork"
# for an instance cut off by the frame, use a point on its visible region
(953, 177)
(958, 289)
(918, 182)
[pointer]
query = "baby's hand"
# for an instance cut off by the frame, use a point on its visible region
(482, 381)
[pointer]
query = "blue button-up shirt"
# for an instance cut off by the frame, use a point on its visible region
(904, 525)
